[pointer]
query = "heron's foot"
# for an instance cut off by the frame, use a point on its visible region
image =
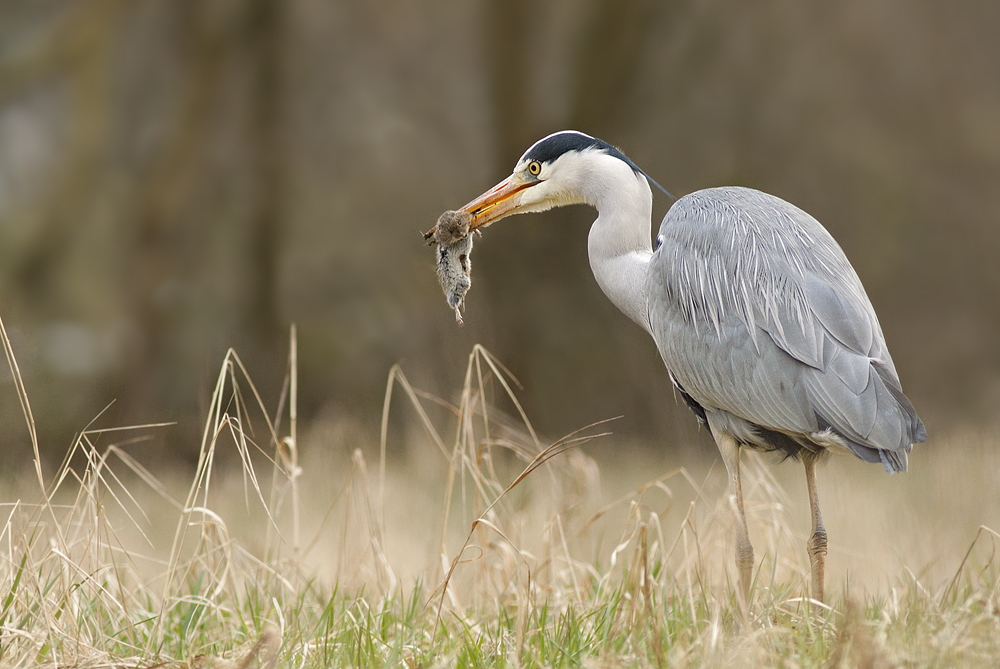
(817, 561)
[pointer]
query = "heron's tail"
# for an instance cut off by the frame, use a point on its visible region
(897, 426)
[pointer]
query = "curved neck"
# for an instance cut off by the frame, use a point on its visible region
(620, 244)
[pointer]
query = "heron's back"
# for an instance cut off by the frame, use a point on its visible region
(763, 322)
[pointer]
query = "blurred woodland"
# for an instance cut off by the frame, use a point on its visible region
(182, 176)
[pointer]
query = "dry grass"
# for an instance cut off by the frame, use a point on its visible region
(481, 544)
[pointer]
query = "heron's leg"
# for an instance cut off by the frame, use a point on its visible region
(817, 541)
(730, 450)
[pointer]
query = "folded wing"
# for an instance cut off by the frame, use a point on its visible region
(757, 312)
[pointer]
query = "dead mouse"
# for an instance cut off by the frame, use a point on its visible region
(452, 237)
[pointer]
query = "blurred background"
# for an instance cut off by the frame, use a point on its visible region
(182, 176)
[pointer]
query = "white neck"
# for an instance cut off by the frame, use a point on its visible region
(619, 244)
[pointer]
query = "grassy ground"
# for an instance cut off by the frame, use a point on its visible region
(482, 545)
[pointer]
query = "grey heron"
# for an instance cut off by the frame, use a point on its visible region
(761, 321)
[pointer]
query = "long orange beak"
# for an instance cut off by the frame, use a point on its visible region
(497, 202)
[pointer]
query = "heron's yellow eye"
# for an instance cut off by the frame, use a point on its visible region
(534, 168)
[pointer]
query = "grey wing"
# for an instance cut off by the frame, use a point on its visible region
(757, 313)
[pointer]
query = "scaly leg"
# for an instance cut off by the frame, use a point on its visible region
(730, 450)
(817, 541)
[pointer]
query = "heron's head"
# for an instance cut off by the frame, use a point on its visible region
(564, 168)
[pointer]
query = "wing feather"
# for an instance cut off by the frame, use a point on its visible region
(757, 312)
